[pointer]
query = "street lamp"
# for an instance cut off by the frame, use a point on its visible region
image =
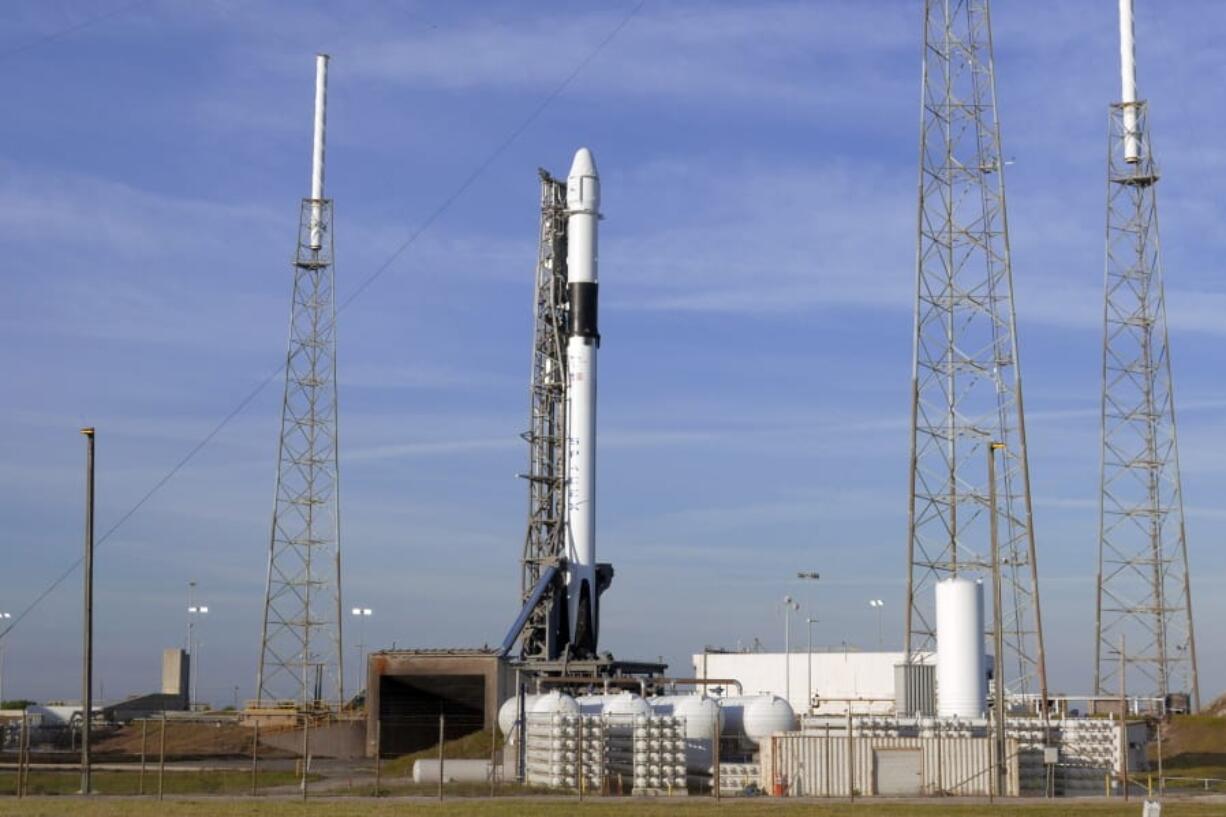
(809, 575)
(362, 613)
(789, 606)
(878, 604)
(193, 610)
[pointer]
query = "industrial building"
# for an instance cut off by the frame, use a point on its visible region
(826, 682)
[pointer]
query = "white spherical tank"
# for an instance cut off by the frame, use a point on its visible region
(961, 675)
(555, 703)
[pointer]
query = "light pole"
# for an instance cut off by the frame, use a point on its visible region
(810, 621)
(878, 605)
(193, 610)
(810, 576)
(362, 613)
(789, 606)
(3, 616)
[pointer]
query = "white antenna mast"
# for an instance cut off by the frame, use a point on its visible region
(1128, 82)
(317, 155)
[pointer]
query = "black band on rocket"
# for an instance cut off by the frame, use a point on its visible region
(583, 310)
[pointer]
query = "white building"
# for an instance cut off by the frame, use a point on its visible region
(862, 680)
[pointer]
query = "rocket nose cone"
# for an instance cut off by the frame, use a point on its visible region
(584, 164)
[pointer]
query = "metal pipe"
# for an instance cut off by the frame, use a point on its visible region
(998, 622)
(87, 659)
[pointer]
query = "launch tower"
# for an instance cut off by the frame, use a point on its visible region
(966, 380)
(300, 651)
(1144, 603)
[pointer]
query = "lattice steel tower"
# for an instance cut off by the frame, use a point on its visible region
(300, 652)
(1144, 593)
(545, 542)
(966, 381)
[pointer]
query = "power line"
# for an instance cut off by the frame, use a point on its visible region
(72, 29)
(433, 217)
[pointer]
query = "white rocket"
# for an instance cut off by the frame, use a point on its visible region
(1128, 83)
(583, 205)
(317, 152)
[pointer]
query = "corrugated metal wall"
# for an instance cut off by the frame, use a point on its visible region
(807, 765)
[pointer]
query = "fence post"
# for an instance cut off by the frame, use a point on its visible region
(378, 756)
(144, 736)
(442, 720)
(162, 755)
(851, 759)
(306, 751)
(493, 755)
(255, 758)
(715, 755)
(22, 751)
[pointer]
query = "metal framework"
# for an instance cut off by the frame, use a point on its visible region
(301, 657)
(545, 542)
(1143, 587)
(966, 381)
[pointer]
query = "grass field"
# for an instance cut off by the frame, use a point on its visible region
(523, 807)
(68, 782)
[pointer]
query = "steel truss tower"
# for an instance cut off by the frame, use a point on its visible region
(545, 543)
(966, 380)
(1144, 593)
(301, 655)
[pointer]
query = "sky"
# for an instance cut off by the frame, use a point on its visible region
(758, 164)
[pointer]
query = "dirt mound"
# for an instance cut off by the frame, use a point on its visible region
(184, 740)
(1217, 708)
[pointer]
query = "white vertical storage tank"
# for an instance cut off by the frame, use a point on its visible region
(961, 677)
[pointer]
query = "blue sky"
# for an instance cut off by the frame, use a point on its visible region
(757, 270)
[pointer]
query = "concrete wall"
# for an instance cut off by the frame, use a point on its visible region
(408, 690)
(860, 675)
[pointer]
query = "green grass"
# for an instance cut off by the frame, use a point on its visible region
(112, 782)
(531, 807)
(475, 746)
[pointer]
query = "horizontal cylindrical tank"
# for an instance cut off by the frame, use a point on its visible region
(508, 713)
(757, 717)
(555, 703)
(625, 703)
(961, 677)
(454, 771)
(700, 714)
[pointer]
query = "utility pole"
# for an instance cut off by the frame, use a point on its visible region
(788, 607)
(998, 621)
(966, 388)
(87, 660)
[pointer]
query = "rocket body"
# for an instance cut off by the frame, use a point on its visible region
(583, 204)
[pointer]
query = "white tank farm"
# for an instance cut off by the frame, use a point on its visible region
(961, 675)
(757, 717)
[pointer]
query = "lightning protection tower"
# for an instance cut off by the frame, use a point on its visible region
(1143, 588)
(300, 652)
(966, 381)
(545, 543)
